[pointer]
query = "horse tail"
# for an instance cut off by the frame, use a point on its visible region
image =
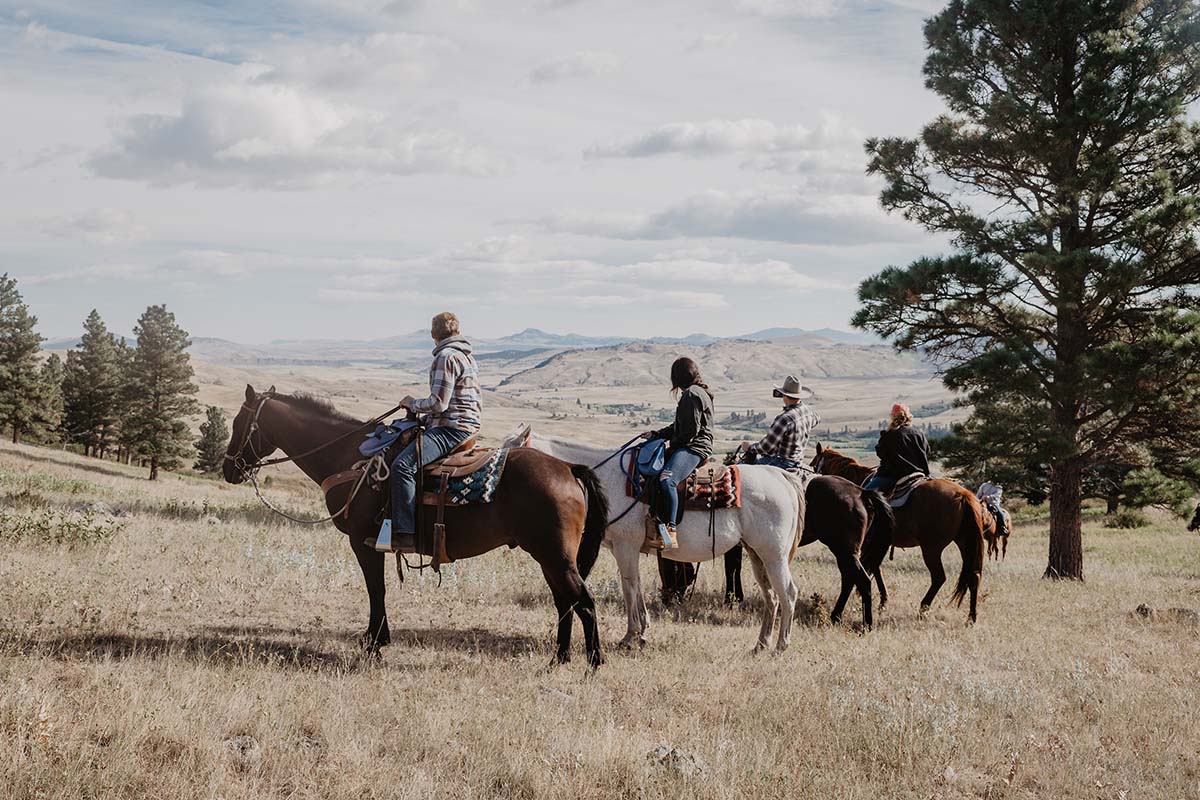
(596, 522)
(800, 486)
(970, 539)
(881, 532)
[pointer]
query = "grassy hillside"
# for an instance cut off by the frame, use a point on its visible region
(190, 646)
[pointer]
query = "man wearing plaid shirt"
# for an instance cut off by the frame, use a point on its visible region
(784, 444)
(452, 414)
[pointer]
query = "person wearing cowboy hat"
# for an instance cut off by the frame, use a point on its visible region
(784, 444)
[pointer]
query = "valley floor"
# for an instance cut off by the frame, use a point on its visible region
(189, 646)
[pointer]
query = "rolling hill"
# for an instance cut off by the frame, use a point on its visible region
(726, 361)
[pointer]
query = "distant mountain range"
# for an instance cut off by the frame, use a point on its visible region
(521, 345)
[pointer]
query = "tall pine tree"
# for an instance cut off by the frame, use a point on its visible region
(126, 436)
(20, 345)
(91, 386)
(50, 403)
(1065, 172)
(214, 436)
(160, 391)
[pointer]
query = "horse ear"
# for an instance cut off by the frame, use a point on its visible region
(250, 395)
(819, 448)
(271, 390)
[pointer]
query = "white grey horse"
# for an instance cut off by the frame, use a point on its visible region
(768, 524)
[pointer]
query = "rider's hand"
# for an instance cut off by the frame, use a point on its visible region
(744, 447)
(648, 435)
(407, 402)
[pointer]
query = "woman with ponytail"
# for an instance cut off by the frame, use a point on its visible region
(689, 437)
(902, 450)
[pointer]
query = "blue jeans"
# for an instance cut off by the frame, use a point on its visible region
(765, 460)
(880, 483)
(680, 464)
(435, 443)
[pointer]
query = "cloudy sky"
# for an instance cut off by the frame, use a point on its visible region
(346, 168)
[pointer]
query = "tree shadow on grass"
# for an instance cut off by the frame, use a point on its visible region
(268, 646)
(98, 467)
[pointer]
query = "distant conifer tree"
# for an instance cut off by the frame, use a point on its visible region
(20, 344)
(90, 388)
(160, 391)
(214, 436)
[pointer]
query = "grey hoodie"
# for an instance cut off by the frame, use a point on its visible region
(455, 400)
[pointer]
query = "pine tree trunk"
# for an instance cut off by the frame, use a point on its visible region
(1114, 503)
(1066, 535)
(16, 437)
(154, 469)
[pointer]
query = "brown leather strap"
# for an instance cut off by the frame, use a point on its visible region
(439, 527)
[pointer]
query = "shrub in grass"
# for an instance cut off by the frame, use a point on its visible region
(1126, 519)
(58, 528)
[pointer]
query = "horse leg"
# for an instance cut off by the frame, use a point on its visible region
(937, 575)
(845, 568)
(770, 602)
(564, 608)
(627, 554)
(733, 576)
(372, 565)
(862, 581)
(883, 596)
(785, 588)
(571, 595)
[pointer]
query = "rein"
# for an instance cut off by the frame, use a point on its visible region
(250, 471)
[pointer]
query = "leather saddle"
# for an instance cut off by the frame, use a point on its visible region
(462, 460)
(898, 496)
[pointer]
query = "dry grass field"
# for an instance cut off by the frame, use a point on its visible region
(190, 646)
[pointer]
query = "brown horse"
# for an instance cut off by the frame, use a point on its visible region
(857, 526)
(556, 512)
(938, 512)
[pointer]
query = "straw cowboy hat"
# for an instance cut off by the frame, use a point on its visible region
(793, 389)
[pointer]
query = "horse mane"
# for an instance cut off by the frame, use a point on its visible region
(316, 405)
(841, 460)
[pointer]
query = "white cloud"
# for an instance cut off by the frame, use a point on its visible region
(583, 64)
(106, 226)
(709, 41)
(776, 216)
(513, 270)
(279, 137)
(833, 145)
(382, 59)
(793, 8)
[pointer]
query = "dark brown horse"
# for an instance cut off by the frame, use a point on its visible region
(857, 526)
(938, 512)
(556, 512)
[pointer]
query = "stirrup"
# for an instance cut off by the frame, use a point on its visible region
(383, 542)
(669, 536)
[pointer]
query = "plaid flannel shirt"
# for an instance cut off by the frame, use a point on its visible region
(455, 400)
(788, 435)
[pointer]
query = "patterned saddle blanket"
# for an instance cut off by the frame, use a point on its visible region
(711, 486)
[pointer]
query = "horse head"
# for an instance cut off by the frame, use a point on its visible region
(1194, 525)
(247, 444)
(818, 462)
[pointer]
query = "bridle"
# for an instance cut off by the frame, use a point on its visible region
(249, 471)
(245, 469)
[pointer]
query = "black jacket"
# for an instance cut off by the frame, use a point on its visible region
(902, 452)
(692, 428)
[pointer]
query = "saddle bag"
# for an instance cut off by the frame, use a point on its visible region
(652, 458)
